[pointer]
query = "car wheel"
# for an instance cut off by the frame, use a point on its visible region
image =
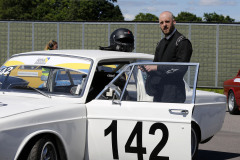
(232, 105)
(194, 143)
(43, 149)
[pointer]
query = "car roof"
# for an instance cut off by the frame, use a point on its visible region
(96, 55)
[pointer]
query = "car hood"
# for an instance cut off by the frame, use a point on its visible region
(12, 105)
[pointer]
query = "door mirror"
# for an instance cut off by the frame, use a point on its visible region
(116, 93)
(116, 99)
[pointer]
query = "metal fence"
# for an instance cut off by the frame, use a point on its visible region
(215, 46)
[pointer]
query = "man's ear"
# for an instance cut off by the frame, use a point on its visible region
(174, 22)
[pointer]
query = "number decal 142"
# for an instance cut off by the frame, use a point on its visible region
(137, 132)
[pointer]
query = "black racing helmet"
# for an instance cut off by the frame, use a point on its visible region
(121, 39)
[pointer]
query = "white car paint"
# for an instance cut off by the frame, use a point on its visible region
(101, 114)
(80, 126)
(215, 105)
(59, 116)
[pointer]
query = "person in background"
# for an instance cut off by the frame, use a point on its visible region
(51, 45)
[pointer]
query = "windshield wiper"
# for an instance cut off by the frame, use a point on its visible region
(25, 85)
(41, 92)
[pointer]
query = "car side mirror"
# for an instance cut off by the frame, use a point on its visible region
(116, 98)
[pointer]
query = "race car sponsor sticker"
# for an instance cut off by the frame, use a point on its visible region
(236, 80)
(42, 60)
(28, 74)
(5, 70)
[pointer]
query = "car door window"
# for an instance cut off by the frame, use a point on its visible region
(105, 73)
(168, 84)
(115, 90)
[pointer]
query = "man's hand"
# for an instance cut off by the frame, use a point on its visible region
(150, 67)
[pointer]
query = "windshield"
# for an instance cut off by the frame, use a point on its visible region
(47, 75)
(47, 79)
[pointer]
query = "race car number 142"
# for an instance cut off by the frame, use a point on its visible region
(137, 132)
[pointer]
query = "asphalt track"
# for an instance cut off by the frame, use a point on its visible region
(225, 145)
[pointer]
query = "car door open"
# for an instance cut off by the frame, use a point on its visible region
(144, 115)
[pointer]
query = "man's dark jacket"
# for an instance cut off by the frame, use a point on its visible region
(176, 49)
(171, 87)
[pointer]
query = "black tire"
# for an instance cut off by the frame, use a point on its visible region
(43, 149)
(232, 105)
(194, 143)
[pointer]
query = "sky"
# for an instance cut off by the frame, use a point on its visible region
(130, 8)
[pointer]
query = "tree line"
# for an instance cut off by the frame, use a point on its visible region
(86, 10)
(188, 17)
(60, 10)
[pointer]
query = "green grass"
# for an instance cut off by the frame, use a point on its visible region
(216, 90)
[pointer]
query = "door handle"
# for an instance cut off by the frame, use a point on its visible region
(179, 111)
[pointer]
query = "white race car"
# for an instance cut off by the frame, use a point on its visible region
(94, 104)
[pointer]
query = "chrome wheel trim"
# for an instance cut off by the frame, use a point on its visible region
(231, 100)
(49, 152)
